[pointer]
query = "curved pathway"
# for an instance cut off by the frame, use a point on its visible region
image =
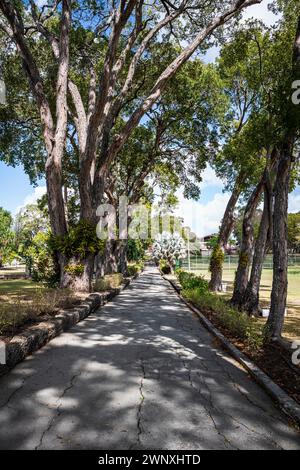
(140, 373)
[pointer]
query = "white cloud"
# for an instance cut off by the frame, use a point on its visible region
(261, 12)
(32, 198)
(204, 219)
(294, 203)
(209, 178)
(41, 3)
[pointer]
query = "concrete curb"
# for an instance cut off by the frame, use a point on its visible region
(37, 336)
(287, 404)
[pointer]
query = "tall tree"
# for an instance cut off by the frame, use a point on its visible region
(250, 300)
(240, 68)
(6, 236)
(290, 130)
(54, 131)
(129, 28)
(294, 233)
(247, 240)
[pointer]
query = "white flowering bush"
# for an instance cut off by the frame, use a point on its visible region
(169, 247)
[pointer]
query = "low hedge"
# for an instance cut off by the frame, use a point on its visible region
(191, 281)
(238, 323)
(108, 282)
(164, 267)
(135, 268)
(196, 290)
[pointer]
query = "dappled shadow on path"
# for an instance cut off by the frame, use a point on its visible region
(139, 373)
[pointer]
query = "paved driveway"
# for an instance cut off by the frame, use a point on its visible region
(141, 373)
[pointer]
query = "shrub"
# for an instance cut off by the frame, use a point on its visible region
(40, 260)
(48, 301)
(239, 324)
(190, 281)
(12, 316)
(169, 247)
(41, 302)
(164, 266)
(134, 268)
(81, 241)
(109, 282)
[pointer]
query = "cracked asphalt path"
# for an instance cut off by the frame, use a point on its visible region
(140, 373)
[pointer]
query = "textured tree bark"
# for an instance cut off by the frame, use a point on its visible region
(55, 199)
(250, 302)
(111, 257)
(216, 265)
(122, 253)
(246, 248)
(106, 109)
(79, 282)
(273, 329)
(99, 266)
(280, 246)
(96, 127)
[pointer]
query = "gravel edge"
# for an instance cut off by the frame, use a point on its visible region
(287, 404)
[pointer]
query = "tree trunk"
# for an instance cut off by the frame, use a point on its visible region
(79, 282)
(122, 252)
(275, 321)
(99, 266)
(246, 248)
(216, 261)
(107, 262)
(55, 200)
(250, 301)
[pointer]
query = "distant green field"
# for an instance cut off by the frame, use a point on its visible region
(12, 270)
(11, 287)
(266, 284)
(292, 321)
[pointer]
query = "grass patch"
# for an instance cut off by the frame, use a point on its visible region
(191, 281)
(291, 329)
(13, 270)
(22, 301)
(135, 268)
(17, 286)
(108, 282)
(235, 322)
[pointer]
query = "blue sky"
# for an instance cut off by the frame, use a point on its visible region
(203, 216)
(15, 188)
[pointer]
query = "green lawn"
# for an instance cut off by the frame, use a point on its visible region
(12, 270)
(11, 287)
(292, 321)
(23, 301)
(266, 284)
